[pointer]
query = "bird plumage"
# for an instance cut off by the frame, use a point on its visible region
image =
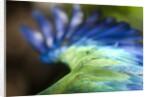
(103, 55)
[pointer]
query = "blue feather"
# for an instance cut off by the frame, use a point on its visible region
(61, 21)
(105, 24)
(45, 27)
(34, 39)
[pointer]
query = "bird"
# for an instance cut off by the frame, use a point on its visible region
(103, 55)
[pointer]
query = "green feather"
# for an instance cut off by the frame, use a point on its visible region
(95, 69)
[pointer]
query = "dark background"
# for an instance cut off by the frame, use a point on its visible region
(25, 74)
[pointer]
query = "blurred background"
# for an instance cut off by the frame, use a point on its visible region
(25, 74)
